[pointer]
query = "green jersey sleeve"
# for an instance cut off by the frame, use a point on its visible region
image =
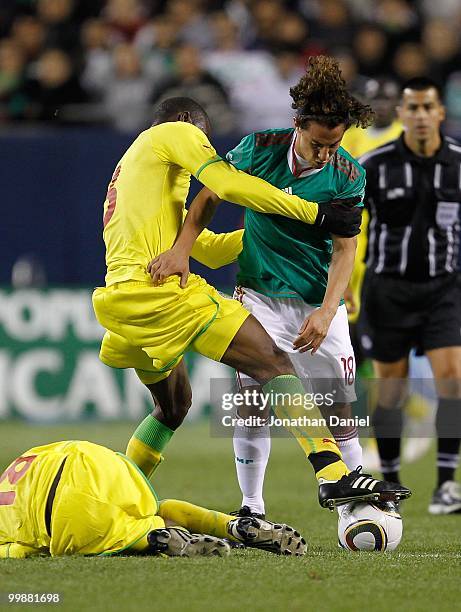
(242, 155)
(355, 188)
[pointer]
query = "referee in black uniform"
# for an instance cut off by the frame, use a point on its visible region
(412, 293)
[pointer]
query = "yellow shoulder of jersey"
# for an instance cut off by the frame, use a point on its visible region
(183, 144)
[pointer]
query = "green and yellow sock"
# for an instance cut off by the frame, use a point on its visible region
(321, 448)
(147, 443)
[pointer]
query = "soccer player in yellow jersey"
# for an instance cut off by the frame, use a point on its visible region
(76, 497)
(150, 327)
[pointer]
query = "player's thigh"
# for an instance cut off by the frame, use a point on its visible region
(330, 371)
(253, 352)
(269, 313)
(442, 339)
(279, 317)
(237, 339)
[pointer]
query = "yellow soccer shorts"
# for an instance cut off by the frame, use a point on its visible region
(149, 327)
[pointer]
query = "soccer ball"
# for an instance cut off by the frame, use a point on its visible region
(363, 526)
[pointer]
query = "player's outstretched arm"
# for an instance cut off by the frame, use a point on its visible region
(339, 216)
(236, 186)
(315, 328)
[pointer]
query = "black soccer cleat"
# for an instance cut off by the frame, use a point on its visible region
(356, 486)
(276, 538)
(247, 511)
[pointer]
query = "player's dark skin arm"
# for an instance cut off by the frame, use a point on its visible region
(315, 327)
(176, 260)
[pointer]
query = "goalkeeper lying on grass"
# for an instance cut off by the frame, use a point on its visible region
(76, 497)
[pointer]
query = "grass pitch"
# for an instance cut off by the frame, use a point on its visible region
(423, 574)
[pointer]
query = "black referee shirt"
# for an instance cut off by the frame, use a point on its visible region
(414, 206)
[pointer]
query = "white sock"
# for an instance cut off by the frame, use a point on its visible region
(350, 448)
(252, 447)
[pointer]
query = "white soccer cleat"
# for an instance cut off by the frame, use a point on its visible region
(446, 499)
(178, 542)
(276, 538)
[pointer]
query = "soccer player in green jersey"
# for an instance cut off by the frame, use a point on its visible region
(292, 278)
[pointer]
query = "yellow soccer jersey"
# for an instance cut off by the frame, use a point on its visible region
(103, 503)
(358, 142)
(143, 211)
(144, 207)
(28, 478)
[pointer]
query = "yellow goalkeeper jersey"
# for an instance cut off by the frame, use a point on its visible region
(144, 206)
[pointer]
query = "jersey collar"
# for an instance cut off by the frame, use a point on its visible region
(296, 169)
(443, 155)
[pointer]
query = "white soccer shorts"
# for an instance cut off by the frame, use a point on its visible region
(331, 369)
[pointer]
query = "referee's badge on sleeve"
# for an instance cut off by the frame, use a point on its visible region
(447, 214)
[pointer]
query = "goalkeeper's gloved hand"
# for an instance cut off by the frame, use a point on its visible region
(341, 217)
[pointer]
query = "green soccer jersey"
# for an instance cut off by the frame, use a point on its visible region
(282, 257)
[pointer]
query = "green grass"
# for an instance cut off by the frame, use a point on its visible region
(424, 573)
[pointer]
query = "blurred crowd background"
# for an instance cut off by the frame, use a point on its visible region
(107, 62)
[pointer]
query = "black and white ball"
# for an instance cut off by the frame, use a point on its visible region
(363, 526)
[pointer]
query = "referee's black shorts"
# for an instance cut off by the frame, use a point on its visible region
(398, 315)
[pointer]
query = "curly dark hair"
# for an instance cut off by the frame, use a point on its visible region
(321, 95)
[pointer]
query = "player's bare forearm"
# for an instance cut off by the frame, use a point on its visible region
(199, 216)
(176, 259)
(340, 271)
(315, 327)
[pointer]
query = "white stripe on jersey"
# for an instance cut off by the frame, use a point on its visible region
(450, 249)
(454, 147)
(381, 248)
(404, 253)
(367, 156)
(437, 176)
(408, 175)
(431, 239)
(371, 236)
(382, 176)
